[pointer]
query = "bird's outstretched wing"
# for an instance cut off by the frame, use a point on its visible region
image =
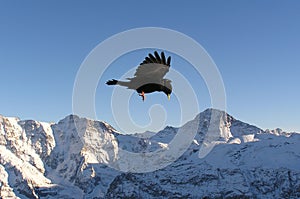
(154, 67)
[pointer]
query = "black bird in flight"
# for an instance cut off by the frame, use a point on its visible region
(149, 75)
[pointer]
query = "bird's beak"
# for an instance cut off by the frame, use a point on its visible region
(169, 96)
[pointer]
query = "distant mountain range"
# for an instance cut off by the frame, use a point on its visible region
(73, 158)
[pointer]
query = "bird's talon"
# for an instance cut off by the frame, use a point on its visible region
(142, 95)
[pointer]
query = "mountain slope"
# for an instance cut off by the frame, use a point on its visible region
(74, 159)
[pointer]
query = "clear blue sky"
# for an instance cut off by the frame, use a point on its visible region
(255, 45)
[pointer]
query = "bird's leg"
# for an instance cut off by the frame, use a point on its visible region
(143, 95)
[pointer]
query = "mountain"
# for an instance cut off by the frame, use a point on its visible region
(219, 157)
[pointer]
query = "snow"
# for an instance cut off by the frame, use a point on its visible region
(249, 138)
(5, 189)
(27, 171)
(163, 145)
(235, 141)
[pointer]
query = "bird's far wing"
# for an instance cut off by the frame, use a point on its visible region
(153, 67)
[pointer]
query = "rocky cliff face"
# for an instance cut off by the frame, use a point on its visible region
(73, 158)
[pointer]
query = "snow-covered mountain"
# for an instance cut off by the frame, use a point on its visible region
(74, 158)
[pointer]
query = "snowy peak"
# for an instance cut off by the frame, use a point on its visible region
(73, 157)
(231, 129)
(213, 125)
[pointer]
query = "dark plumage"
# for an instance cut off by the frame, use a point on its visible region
(149, 75)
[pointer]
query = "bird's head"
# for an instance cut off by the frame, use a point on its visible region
(167, 88)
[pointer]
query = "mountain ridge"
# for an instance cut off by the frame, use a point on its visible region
(74, 155)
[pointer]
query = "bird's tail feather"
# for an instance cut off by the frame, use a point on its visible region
(117, 82)
(112, 82)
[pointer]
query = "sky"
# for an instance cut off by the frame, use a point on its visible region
(254, 44)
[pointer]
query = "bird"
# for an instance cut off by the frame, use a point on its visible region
(149, 76)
